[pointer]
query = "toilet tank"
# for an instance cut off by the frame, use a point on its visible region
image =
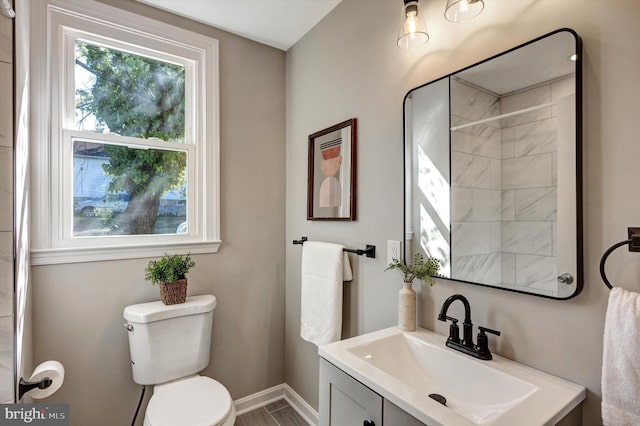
(167, 342)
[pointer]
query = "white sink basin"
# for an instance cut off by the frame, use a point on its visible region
(476, 391)
(406, 367)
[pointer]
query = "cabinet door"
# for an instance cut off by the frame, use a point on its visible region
(346, 402)
(395, 416)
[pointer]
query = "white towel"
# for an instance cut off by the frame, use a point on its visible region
(621, 360)
(324, 267)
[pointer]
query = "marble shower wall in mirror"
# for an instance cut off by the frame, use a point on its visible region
(504, 186)
(493, 191)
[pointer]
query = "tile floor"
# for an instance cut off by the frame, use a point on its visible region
(278, 413)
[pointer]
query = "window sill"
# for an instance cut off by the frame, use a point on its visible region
(97, 254)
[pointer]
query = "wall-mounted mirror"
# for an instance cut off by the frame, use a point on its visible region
(493, 169)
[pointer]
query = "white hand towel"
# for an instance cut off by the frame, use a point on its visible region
(621, 360)
(347, 274)
(324, 267)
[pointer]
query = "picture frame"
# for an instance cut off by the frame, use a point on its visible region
(331, 182)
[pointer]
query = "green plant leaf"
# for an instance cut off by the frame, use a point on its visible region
(421, 269)
(168, 268)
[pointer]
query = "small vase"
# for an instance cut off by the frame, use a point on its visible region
(407, 308)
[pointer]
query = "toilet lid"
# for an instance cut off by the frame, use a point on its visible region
(195, 401)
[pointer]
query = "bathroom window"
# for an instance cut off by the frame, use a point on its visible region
(132, 166)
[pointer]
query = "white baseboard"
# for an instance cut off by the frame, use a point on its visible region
(300, 405)
(267, 396)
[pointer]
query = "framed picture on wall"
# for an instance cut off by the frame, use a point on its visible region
(331, 183)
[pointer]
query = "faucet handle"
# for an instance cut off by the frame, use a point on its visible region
(488, 330)
(483, 342)
(454, 330)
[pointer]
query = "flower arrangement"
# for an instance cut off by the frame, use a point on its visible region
(422, 269)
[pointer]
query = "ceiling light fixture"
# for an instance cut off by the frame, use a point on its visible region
(413, 31)
(463, 10)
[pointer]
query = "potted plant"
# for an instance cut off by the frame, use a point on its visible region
(421, 269)
(170, 272)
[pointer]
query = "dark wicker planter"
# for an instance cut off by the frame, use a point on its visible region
(173, 293)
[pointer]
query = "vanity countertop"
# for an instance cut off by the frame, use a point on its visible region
(406, 367)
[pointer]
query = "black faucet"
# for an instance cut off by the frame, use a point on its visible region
(466, 345)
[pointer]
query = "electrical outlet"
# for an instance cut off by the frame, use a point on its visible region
(393, 250)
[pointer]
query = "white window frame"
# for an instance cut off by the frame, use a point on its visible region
(53, 123)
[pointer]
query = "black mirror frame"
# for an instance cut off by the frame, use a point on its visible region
(579, 279)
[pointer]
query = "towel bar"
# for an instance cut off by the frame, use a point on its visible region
(369, 251)
(634, 245)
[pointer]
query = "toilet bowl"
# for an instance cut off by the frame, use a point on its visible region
(193, 401)
(169, 345)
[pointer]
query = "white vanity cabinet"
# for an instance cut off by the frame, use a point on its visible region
(392, 415)
(344, 401)
(361, 379)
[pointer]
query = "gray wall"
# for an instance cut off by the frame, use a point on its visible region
(78, 307)
(349, 66)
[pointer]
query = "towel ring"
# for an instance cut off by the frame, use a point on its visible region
(604, 259)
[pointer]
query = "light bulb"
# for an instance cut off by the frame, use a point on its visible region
(413, 32)
(410, 23)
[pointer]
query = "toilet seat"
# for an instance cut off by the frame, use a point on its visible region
(193, 401)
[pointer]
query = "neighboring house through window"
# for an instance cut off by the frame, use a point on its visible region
(130, 122)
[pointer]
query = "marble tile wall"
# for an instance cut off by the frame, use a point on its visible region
(504, 187)
(529, 188)
(6, 210)
(476, 197)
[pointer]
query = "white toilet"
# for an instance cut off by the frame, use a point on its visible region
(169, 344)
